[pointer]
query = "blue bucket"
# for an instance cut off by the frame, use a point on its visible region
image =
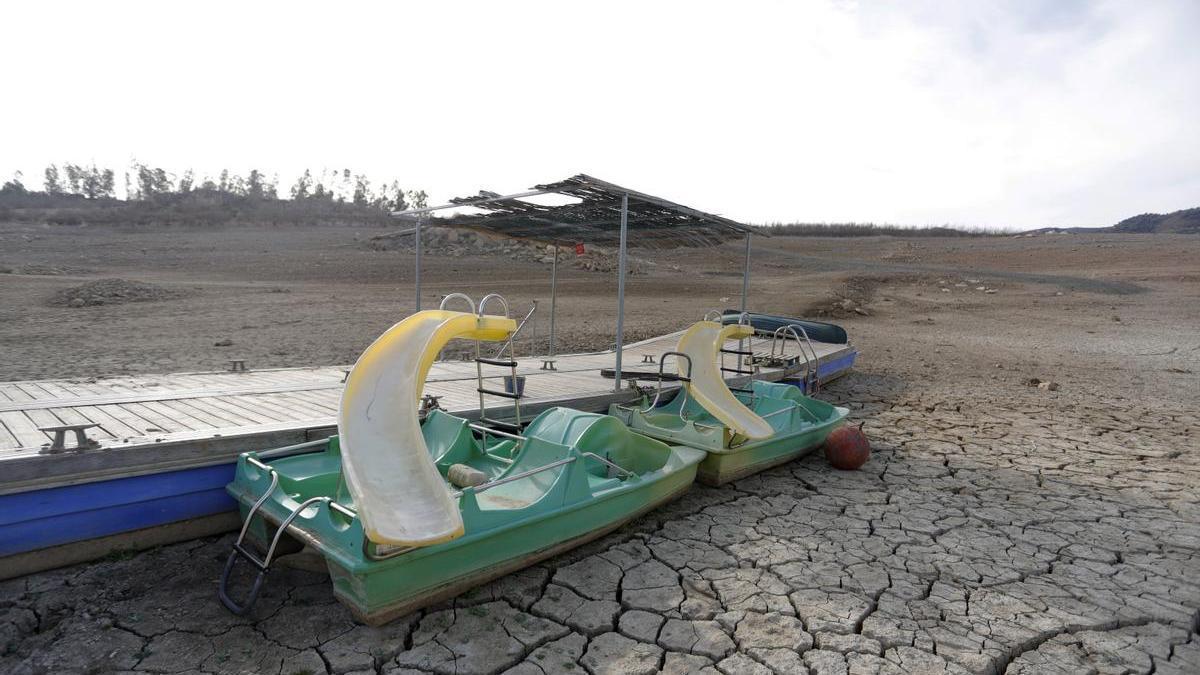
(519, 390)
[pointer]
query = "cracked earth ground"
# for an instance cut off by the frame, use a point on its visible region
(998, 528)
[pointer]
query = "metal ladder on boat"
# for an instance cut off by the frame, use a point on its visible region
(497, 360)
(744, 353)
(510, 363)
(812, 378)
(263, 564)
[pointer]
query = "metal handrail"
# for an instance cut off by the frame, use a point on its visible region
(330, 503)
(463, 296)
(794, 406)
(662, 360)
(519, 476)
(507, 345)
(493, 296)
(496, 432)
(261, 500)
(720, 316)
(284, 451)
(479, 364)
(614, 465)
(283, 526)
(811, 382)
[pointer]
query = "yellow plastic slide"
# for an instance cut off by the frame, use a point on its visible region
(398, 492)
(702, 343)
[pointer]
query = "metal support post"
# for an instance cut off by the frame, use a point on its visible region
(417, 237)
(553, 299)
(621, 290)
(745, 293)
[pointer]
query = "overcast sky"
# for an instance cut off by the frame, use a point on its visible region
(1010, 114)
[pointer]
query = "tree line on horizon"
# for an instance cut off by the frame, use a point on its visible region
(144, 183)
(875, 229)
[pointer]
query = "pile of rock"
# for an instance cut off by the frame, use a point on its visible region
(965, 284)
(110, 292)
(457, 243)
(852, 298)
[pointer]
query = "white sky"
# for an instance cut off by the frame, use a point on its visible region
(1011, 114)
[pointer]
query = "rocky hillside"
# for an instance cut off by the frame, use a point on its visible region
(458, 242)
(1186, 221)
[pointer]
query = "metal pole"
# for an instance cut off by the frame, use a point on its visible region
(746, 274)
(417, 235)
(553, 297)
(532, 334)
(745, 293)
(621, 290)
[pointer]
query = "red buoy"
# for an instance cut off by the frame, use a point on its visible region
(847, 448)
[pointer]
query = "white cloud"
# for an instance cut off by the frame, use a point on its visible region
(1008, 114)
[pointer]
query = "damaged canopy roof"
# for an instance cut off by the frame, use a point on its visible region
(592, 216)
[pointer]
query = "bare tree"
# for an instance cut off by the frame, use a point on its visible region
(74, 178)
(301, 187)
(362, 190)
(254, 184)
(14, 186)
(53, 183)
(418, 198)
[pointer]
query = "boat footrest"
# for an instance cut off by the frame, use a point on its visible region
(497, 362)
(501, 394)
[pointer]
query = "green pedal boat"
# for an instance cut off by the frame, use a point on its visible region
(408, 512)
(744, 431)
(801, 424)
(570, 478)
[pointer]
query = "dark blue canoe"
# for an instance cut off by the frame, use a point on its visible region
(818, 331)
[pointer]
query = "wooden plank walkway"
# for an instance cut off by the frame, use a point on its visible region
(158, 410)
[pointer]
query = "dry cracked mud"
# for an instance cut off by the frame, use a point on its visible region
(999, 529)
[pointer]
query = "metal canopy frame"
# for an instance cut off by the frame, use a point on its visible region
(603, 214)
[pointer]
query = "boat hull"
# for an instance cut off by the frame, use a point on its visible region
(364, 594)
(719, 468)
(378, 591)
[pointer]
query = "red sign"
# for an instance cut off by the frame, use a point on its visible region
(578, 249)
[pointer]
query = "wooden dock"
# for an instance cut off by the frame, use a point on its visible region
(151, 423)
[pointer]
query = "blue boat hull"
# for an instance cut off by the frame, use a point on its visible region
(61, 515)
(825, 371)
